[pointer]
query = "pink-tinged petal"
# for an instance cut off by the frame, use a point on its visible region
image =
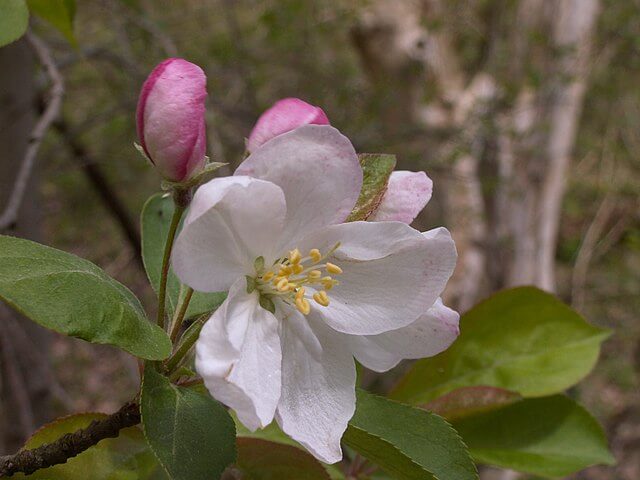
(318, 170)
(407, 194)
(239, 355)
(318, 392)
(170, 118)
(231, 222)
(285, 115)
(431, 334)
(391, 274)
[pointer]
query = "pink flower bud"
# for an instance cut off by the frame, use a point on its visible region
(285, 115)
(170, 119)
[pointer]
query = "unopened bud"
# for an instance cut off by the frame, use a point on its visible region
(171, 119)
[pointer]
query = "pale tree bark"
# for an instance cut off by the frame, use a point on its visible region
(507, 141)
(25, 372)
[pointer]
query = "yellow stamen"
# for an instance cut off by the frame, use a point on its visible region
(300, 293)
(328, 283)
(315, 255)
(303, 305)
(334, 269)
(321, 298)
(284, 271)
(283, 285)
(315, 274)
(267, 276)
(297, 269)
(295, 256)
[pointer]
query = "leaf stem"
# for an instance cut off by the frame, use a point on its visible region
(180, 206)
(179, 317)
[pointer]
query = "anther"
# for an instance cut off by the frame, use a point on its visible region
(283, 285)
(334, 269)
(267, 276)
(295, 256)
(321, 298)
(328, 282)
(314, 274)
(300, 293)
(315, 255)
(303, 305)
(285, 271)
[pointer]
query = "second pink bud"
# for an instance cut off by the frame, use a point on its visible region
(285, 115)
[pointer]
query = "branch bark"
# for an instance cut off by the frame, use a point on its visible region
(101, 184)
(10, 214)
(71, 444)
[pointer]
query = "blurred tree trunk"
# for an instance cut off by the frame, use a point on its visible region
(25, 372)
(504, 122)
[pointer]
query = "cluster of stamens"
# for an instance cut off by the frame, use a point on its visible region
(288, 278)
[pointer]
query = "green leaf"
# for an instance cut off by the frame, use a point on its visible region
(523, 340)
(407, 442)
(550, 436)
(468, 401)
(191, 434)
(59, 13)
(14, 20)
(155, 220)
(376, 169)
(264, 460)
(126, 457)
(73, 296)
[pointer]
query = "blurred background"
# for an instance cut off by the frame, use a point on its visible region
(525, 113)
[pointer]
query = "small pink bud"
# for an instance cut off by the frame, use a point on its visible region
(170, 119)
(285, 115)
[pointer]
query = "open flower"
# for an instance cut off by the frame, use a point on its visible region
(170, 119)
(307, 292)
(285, 115)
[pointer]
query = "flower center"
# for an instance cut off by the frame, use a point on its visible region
(289, 277)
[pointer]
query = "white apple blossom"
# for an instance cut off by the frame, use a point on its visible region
(307, 292)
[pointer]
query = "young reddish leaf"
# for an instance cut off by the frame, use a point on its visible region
(467, 401)
(265, 460)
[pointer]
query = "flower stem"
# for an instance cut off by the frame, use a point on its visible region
(180, 206)
(186, 342)
(179, 317)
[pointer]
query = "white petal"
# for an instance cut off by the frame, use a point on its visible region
(391, 274)
(318, 170)
(239, 357)
(231, 221)
(430, 335)
(407, 194)
(318, 394)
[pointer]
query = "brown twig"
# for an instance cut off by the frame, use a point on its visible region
(102, 186)
(10, 214)
(70, 444)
